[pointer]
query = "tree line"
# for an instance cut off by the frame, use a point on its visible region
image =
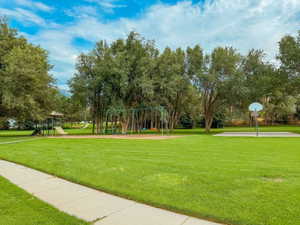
(132, 73)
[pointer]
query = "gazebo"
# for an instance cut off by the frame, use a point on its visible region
(48, 126)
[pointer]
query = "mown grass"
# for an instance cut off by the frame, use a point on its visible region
(20, 208)
(88, 131)
(4, 140)
(288, 128)
(246, 181)
(15, 133)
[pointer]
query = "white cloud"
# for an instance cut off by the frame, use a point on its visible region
(64, 87)
(22, 15)
(243, 24)
(61, 52)
(34, 5)
(108, 5)
(81, 11)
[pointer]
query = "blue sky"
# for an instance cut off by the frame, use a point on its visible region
(67, 28)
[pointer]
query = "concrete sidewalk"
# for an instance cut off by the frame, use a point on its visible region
(89, 204)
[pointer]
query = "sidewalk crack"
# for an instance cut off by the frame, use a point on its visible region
(98, 219)
(186, 219)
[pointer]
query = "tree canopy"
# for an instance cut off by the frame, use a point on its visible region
(132, 72)
(26, 87)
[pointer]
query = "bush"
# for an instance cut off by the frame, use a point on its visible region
(186, 122)
(4, 124)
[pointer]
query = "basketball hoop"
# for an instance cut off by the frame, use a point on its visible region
(254, 108)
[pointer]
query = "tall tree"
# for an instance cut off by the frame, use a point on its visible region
(217, 77)
(265, 83)
(289, 56)
(116, 76)
(172, 84)
(27, 89)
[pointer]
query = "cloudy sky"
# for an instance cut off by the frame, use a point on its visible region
(66, 28)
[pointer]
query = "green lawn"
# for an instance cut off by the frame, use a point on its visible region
(295, 129)
(15, 133)
(10, 139)
(88, 131)
(247, 181)
(77, 131)
(20, 208)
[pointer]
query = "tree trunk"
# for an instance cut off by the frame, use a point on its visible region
(125, 124)
(208, 122)
(94, 112)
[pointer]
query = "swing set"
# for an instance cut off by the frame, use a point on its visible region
(135, 120)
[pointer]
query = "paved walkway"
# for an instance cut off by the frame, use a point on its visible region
(89, 204)
(260, 134)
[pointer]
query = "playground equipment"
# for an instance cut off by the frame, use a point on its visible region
(60, 130)
(86, 125)
(135, 120)
(52, 125)
(115, 120)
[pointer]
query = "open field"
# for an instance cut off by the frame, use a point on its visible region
(295, 129)
(245, 181)
(15, 133)
(88, 131)
(20, 208)
(6, 140)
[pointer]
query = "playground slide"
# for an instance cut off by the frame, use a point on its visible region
(85, 126)
(60, 131)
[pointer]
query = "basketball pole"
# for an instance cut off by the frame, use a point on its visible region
(256, 123)
(162, 125)
(255, 107)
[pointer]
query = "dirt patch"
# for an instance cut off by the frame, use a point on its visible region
(136, 137)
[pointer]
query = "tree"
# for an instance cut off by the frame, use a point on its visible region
(217, 77)
(27, 89)
(132, 73)
(71, 108)
(289, 56)
(172, 85)
(116, 76)
(262, 82)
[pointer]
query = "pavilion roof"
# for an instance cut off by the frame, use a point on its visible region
(56, 114)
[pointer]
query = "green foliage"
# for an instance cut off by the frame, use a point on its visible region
(26, 88)
(4, 124)
(217, 77)
(289, 48)
(130, 74)
(72, 109)
(289, 56)
(186, 121)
